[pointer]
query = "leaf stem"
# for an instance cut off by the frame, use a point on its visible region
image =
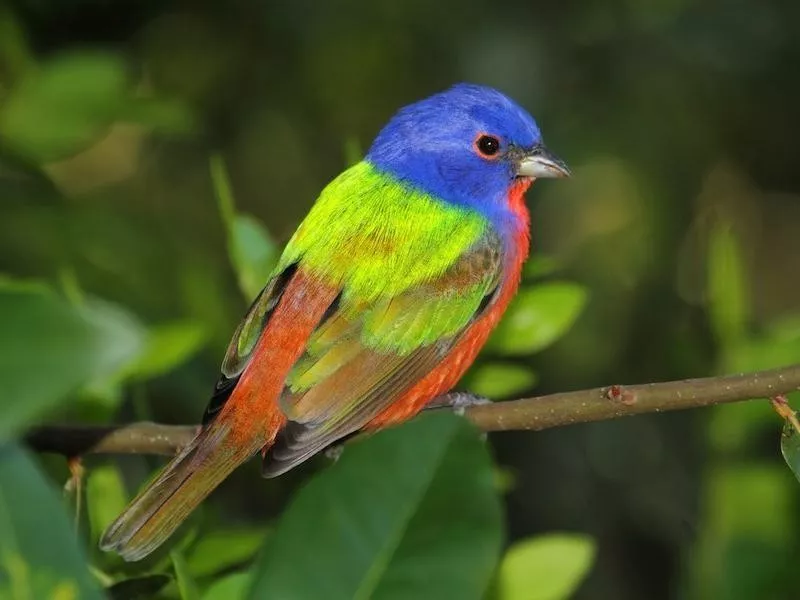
(781, 405)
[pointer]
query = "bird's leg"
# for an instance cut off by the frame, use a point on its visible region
(334, 451)
(459, 402)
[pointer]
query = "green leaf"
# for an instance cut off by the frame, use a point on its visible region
(778, 345)
(727, 296)
(49, 349)
(734, 427)
(61, 108)
(119, 337)
(499, 380)
(39, 555)
(14, 284)
(548, 567)
(232, 587)
(790, 447)
(252, 252)
(537, 317)
(353, 153)
(539, 265)
(409, 513)
(737, 493)
(743, 544)
(105, 497)
(222, 549)
(138, 588)
(505, 480)
(186, 584)
(15, 53)
(161, 114)
(168, 346)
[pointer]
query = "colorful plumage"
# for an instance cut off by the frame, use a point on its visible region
(380, 302)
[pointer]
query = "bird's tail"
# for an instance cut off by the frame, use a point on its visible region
(163, 505)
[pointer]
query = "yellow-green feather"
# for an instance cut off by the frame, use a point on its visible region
(413, 270)
(376, 237)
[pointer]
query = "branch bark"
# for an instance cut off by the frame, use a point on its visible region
(533, 414)
(135, 438)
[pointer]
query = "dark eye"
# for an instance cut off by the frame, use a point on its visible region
(487, 145)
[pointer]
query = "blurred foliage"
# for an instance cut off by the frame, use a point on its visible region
(155, 156)
(537, 317)
(790, 446)
(745, 549)
(80, 344)
(545, 568)
(250, 247)
(411, 513)
(39, 555)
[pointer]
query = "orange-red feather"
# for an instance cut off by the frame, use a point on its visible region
(297, 386)
(442, 379)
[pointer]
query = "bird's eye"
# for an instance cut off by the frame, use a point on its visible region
(487, 145)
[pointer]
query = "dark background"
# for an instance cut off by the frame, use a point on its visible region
(679, 119)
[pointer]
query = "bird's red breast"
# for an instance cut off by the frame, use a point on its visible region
(442, 379)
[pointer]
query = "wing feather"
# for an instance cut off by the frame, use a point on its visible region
(243, 342)
(365, 356)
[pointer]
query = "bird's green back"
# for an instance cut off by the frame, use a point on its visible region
(376, 237)
(386, 246)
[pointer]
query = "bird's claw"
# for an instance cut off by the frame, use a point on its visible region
(334, 452)
(459, 402)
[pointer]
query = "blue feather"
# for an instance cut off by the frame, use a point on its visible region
(430, 146)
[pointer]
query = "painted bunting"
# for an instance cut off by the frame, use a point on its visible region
(380, 302)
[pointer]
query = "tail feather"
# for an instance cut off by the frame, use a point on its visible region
(163, 505)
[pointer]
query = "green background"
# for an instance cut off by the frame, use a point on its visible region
(154, 157)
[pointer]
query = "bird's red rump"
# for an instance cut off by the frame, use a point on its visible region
(284, 339)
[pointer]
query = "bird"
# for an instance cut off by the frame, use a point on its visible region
(379, 303)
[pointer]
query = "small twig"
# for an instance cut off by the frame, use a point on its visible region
(74, 485)
(136, 438)
(534, 414)
(781, 405)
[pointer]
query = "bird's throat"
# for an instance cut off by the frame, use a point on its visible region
(520, 237)
(516, 197)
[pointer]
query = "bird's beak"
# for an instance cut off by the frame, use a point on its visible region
(540, 162)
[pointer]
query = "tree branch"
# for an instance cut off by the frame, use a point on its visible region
(136, 438)
(533, 414)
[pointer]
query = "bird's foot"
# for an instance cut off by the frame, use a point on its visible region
(459, 402)
(334, 452)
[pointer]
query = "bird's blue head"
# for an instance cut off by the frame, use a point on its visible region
(467, 146)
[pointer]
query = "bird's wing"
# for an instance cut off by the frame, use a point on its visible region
(364, 355)
(403, 274)
(244, 340)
